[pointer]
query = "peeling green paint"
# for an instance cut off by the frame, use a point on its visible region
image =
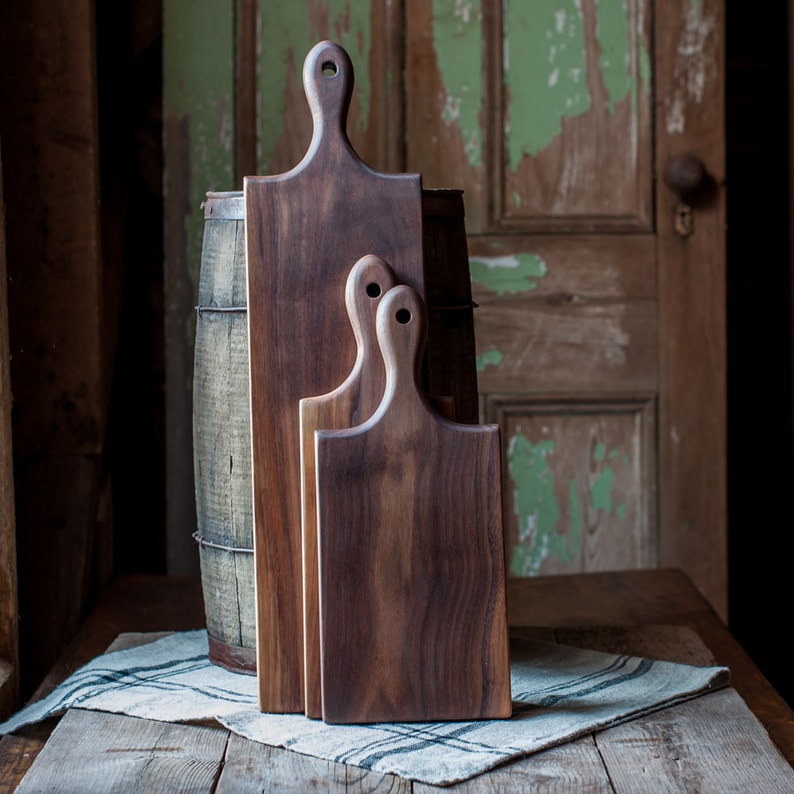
(490, 358)
(537, 509)
(575, 512)
(198, 104)
(287, 32)
(457, 39)
(284, 39)
(645, 69)
(602, 487)
(513, 273)
(546, 68)
(613, 35)
(544, 72)
(601, 490)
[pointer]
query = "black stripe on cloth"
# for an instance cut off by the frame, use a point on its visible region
(421, 736)
(643, 668)
(74, 686)
(156, 676)
(618, 663)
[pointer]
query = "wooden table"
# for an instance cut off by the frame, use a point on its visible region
(713, 743)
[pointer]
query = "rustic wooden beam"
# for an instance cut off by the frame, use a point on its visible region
(9, 662)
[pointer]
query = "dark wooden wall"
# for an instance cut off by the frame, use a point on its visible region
(80, 133)
(59, 344)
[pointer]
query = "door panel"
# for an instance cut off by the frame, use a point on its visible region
(569, 126)
(580, 474)
(576, 312)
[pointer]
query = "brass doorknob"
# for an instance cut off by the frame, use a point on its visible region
(684, 174)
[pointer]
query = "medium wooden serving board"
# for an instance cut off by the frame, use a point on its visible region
(350, 404)
(305, 229)
(412, 584)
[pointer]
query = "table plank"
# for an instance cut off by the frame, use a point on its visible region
(663, 596)
(667, 643)
(572, 767)
(116, 754)
(252, 768)
(712, 743)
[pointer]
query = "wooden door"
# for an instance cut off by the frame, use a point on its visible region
(600, 328)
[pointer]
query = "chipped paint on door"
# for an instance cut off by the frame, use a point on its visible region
(546, 60)
(603, 485)
(198, 102)
(614, 38)
(508, 274)
(457, 39)
(490, 358)
(693, 66)
(287, 31)
(575, 472)
(537, 508)
(545, 74)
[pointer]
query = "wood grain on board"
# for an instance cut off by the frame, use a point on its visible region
(412, 589)
(350, 404)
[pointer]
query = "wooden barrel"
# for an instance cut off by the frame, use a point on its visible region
(221, 419)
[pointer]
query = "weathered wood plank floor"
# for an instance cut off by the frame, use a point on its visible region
(714, 743)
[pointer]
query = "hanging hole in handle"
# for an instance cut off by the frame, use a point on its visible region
(403, 316)
(373, 290)
(330, 69)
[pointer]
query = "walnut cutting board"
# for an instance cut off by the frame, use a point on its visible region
(305, 230)
(351, 403)
(412, 583)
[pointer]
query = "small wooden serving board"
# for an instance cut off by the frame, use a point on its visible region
(350, 404)
(412, 583)
(304, 230)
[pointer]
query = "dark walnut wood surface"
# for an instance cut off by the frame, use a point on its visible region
(412, 582)
(348, 405)
(305, 230)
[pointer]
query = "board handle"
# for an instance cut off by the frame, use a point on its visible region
(328, 83)
(402, 333)
(369, 280)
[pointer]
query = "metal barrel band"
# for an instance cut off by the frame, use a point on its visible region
(222, 309)
(210, 545)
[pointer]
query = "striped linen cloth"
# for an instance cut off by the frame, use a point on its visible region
(559, 693)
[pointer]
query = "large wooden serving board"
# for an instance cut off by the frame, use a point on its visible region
(350, 404)
(305, 230)
(413, 622)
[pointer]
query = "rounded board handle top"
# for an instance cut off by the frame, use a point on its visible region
(369, 280)
(402, 333)
(328, 82)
